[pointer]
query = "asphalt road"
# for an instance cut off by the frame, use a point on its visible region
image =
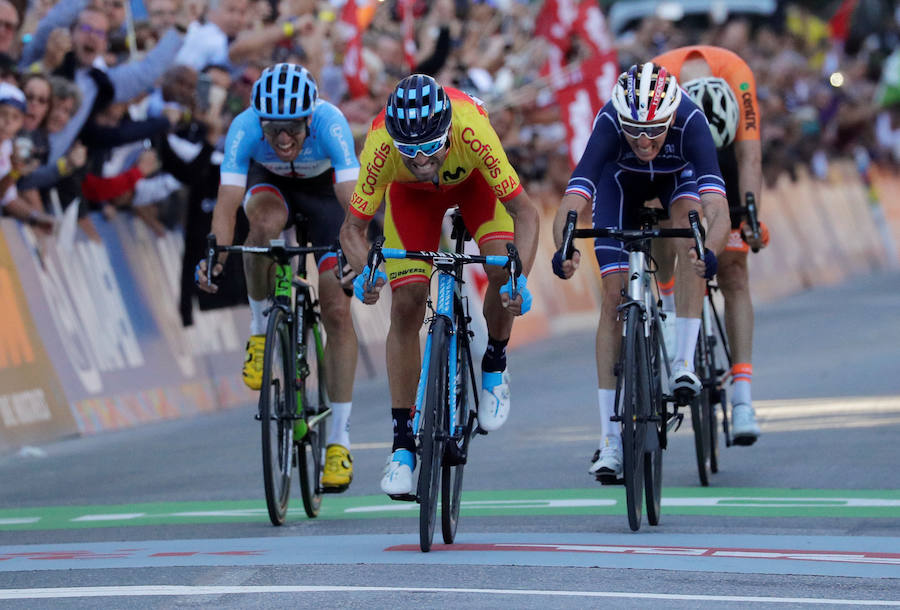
(810, 515)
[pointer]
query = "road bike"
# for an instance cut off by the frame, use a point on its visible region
(293, 403)
(642, 371)
(446, 397)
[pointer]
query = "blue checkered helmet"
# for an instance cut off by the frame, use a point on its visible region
(417, 111)
(283, 92)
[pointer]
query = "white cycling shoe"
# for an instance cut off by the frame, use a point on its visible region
(606, 465)
(493, 409)
(684, 382)
(744, 429)
(397, 481)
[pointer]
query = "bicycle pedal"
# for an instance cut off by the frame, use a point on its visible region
(609, 479)
(338, 489)
(403, 497)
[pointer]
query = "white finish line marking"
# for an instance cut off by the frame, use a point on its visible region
(176, 590)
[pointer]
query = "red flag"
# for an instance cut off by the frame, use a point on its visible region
(554, 22)
(588, 90)
(354, 67)
(840, 21)
(409, 34)
(590, 25)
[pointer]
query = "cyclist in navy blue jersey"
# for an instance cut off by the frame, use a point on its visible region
(291, 153)
(648, 142)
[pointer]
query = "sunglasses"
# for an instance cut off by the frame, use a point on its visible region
(636, 130)
(88, 29)
(428, 149)
(293, 128)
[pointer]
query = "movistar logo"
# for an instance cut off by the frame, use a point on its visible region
(455, 175)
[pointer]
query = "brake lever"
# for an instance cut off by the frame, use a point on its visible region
(514, 270)
(751, 217)
(568, 242)
(694, 220)
(374, 259)
(210, 256)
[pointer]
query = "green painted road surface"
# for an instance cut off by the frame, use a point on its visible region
(721, 502)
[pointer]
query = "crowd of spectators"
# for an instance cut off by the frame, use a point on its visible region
(117, 105)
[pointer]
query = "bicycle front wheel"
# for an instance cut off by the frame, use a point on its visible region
(700, 410)
(432, 430)
(633, 412)
(458, 445)
(656, 430)
(276, 409)
(311, 447)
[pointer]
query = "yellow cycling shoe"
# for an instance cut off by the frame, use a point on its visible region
(253, 363)
(338, 468)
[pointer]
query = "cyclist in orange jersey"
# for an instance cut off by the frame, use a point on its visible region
(722, 84)
(432, 148)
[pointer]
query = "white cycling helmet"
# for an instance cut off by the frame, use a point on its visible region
(717, 100)
(646, 93)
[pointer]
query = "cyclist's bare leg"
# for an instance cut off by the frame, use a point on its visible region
(342, 347)
(499, 320)
(609, 329)
(403, 353)
(689, 288)
(734, 283)
(267, 215)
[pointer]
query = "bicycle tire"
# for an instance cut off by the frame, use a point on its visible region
(700, 408)
(653, 458)
(276, 416)
(311, 448)
(432, 433)
(452, 474)
(631, 409)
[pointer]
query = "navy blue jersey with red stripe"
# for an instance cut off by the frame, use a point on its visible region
(688, 142)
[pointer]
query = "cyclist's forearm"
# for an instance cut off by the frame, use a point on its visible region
(749, 161)
(718, 222)
(354, 242)
(228, 201)
(569, 202)
(527, 222)
(343, 191)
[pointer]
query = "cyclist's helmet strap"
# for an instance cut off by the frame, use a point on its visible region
(283, 92)
(719, 104)
(418, 110)
(646, 93)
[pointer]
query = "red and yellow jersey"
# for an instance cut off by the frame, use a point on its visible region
(474, 147)
(733, 70)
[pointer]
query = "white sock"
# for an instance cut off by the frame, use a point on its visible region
(607, 401)
(687, 330)
(668, 303)
(340, 424)
(257, 318)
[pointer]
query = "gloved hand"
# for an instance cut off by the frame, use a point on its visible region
(557, 263)
(523, 291)
(712, 263)
(359, 282)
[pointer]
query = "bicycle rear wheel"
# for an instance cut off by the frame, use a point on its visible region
(311, 456)
(457, 446)
(656, 430)
(700, 409)
(276, 408)
(434, 412)
(632, 401)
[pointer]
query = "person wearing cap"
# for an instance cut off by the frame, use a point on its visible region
(12, 167)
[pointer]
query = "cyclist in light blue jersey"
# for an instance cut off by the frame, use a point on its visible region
(291, 153)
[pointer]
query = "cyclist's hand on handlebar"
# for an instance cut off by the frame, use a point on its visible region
(370, 296)
(522, 303)
(201, 278)
(565, 268)
(747, 235)
(706, 267)
(346, 276)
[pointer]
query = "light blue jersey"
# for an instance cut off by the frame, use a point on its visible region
(328, 145)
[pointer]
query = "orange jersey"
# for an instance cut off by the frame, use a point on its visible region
(474, 146)
(733, 70)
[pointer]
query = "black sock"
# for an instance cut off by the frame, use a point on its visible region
(403, 436)
(494, 359)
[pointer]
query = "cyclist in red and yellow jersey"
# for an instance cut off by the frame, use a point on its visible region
(722, 84)
(432, 148)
